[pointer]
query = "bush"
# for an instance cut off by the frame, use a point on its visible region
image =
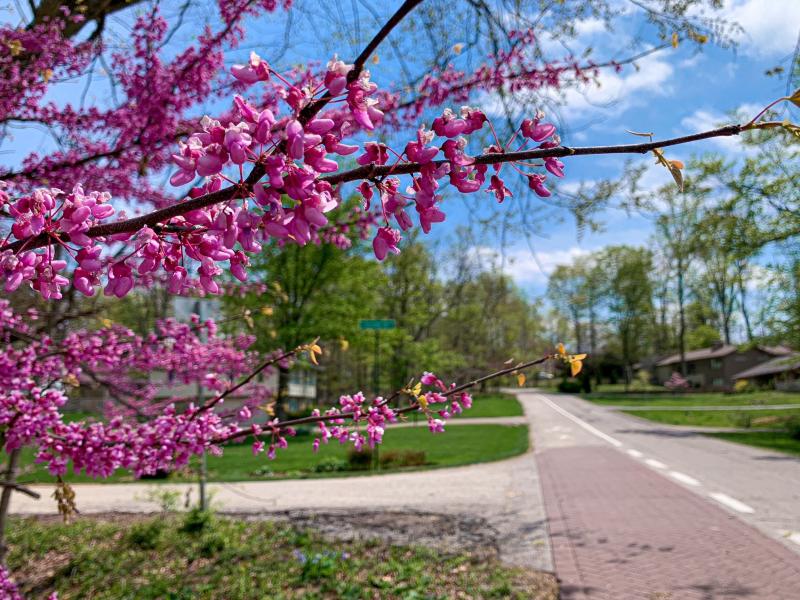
(197, 520)
(403, 458)
(743, 419)
(211, 544)
(793, 427)
(331, 465)
(359, 461)
(569, 386)
(147, 535)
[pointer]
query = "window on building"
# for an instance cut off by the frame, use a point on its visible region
(718, 382)
(716, 364)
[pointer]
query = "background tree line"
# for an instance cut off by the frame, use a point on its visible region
(722, 265)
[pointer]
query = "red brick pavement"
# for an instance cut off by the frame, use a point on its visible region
(621, 531)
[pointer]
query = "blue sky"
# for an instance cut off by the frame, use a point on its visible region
(674, 92)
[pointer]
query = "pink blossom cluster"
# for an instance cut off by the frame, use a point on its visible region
(116, 145)
(288, 201)
(37, 372)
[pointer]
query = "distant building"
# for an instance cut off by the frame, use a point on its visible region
(781, 373)
(716, 368)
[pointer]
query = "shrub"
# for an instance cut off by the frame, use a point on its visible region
(403, 458)
(793, 427)
(742, 386)
(211, 544)
(147, 535)
(743, 419)
(331, 465)
(197, 520)
(569, 386)
(359, 461)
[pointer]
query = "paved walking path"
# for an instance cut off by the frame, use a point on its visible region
(702, 407)
(644, 511)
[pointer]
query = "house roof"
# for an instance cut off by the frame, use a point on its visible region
(779, 364)
(719, 352)
(701, 354)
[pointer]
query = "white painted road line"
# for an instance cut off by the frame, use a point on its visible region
(635, 453)
(683, 478)
(732, 503)
(591, 429)
(794, 537)
(655, 464)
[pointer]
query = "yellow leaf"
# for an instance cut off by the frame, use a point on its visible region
(316, 348)
(795, 98)
(267, 311)
(375, 59)
(423, 402)
(70, 379)
(14, 47)
(457, 48)
(344, 344)
(575, 366)
(561, 350)
(417, 389)
(521, 379)
(268, 408)
(106, 322)
(47, 74)
(677, 164)
(675, 40)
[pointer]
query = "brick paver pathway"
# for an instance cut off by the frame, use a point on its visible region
(621, 531)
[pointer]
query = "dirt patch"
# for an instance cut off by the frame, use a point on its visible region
(446, 533)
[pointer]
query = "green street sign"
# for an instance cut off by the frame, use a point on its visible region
(376, 324)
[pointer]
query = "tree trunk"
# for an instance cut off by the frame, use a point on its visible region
(682, 327)
(743, 306)
(283, 392)
(5, 500)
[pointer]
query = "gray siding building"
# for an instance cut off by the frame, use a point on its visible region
(716, 368)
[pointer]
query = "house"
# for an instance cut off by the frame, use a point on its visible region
(781, 373)
(715, 368)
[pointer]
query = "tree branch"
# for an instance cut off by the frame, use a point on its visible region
(365, 172)
(277, 427)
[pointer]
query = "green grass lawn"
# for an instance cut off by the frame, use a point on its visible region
(779, 441)
(493, 405)
(635, 386)
(459, 445)
(717, 418)
(706, 399)
(200, 557)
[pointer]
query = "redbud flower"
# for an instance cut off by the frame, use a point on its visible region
(386, 241)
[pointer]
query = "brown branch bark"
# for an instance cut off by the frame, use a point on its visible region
(277, 427)
(364, 172)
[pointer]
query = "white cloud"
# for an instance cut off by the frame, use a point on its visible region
(531, 267)
(770, 26)
(703, 120)
(610, 93)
